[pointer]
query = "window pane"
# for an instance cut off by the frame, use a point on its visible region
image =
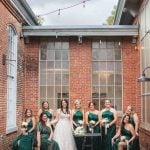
(118, 79)
(65, 45)
(50, 66)
(95, 92)
(43, 54)
(65, 55)
(103, 44)
(118, 104)
(103, 77)
(50, 79)
(57, 79)
(57, 55)
(50, 92)
(50, 54)
(65, 79)
(110, 54)
(58, 92)
(43, 92)
(110, 78)
(65, 92)
(110, 92)
(118, 54)
(118, 91)
(95, 44)
(110, 44)
(58, 45)
(95, 79)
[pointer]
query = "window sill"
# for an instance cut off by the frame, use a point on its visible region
(11, 130)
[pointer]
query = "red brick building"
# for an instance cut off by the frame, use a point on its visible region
(90, 63)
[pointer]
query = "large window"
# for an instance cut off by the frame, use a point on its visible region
(11, 80)
(145, 60)
(107, 73)
(54, 72)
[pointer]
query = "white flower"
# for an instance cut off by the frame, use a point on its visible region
(80, 122)
(24, 124)
(79, 131)
(105, 121)
(122, 138)
(92, 123)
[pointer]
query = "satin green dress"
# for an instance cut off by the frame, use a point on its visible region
(24, 142)
(136, 143)
(111, 131)
(96, 140)
(78, 115)
(45, 143)
(127, 135)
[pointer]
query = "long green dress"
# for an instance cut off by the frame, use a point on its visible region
(136, 145)
(111, 131)
(24, 142)
(45, 143)
(96, 140)
(127, 135)
(78, 115)
(49, 115)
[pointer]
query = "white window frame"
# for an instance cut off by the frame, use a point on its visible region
(11, 124)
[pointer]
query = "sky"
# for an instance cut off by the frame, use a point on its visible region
(95, 12)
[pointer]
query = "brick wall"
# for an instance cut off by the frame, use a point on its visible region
(7, 18)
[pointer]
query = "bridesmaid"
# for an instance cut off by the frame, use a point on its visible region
(45, 108)
(25, 140)
(77, 114)
(45, 134)
(93, 115)
(78, 120)
(108, 122)
(126, 133)
(135, 122)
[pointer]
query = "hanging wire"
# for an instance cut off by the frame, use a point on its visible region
(68, 7)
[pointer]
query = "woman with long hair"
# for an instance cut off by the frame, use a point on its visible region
(63, 130)
(125, 135)
(25, 140)
(45, 134)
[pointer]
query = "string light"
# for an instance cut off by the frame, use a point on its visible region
(68, 7)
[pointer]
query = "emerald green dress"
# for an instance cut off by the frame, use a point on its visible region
(136, 145)
(111, 131)
(127, 135)
(78, 115)
(49, 115)
(45, 143)
(96, 140)
(25, 141)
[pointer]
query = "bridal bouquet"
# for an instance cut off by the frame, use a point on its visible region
(24, 126)
(105, 122)
(79, 130)
(91, 125)
(80, 123)
(122, 138)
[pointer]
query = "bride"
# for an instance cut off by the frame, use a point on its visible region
(63, 130)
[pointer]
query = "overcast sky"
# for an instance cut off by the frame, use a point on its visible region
(95, 12)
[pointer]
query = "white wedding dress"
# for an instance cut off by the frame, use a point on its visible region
(63, 132)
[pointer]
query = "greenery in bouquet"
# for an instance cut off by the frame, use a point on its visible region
(24, 126)
(105, 121)
(80, 123)
(91, 125)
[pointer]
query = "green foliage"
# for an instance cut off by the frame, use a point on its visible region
(110, 19)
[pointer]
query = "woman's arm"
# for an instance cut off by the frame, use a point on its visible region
(98, 122)
(33, 122)
(132, 132)
(57, 117)
(38, 139)
(86, 118)
(117, 134)
(136, 121)
(72, 121)
(51, 135)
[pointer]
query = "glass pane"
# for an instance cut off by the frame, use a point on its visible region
(103, 44)
(50, 92)
(51, 46)
(102, 54)
(147, 109)
(110, 78)
(110, 54)
(42, 78)
(57, 91)
(95, 79)
(103, 77)
(95, 92)
(50, 79)
(65, 79)
(50, 66)
(57, 79)
(103, 93)
(95, 66)
(43, 54)
(42, 92)
(118, 104)
(58, 67)
(118, 91)
(118, 54)
(95, 54)
(110, 92)
(65, 55)
(102, 66)
(110, 66)
(50, 55)
(95, 44)
(96, 101)
(110, 44)
(118, 67)
(58, 45)
(117, 44)
(43, 67)
(51, 103)
(57, 55)
(65, 92)
(118, 79)
(65, 45)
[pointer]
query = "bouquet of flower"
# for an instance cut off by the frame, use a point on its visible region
(122, 138)
(79, 130)
(105, 122)
(91, 125)
(80, 122)
(24, 126)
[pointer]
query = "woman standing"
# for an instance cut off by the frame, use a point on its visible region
(25, 140)
(78, 121)
(108, 122)
(63, 130)
(93, 123)
(126, 135)
(45, 134)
